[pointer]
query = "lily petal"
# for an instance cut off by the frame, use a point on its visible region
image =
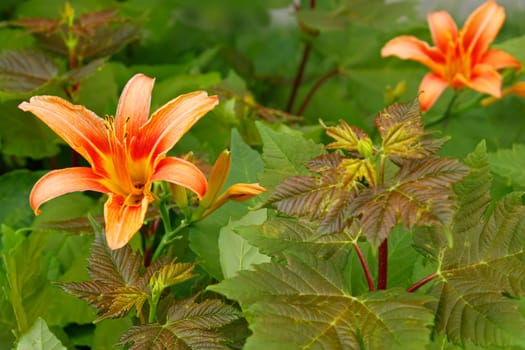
(133, 106)
(485, 79)
(183, 173)
(482, 27)
(82, 129)
(500, 59)
(122, 221)
(431, 87)
(169, 123)
(62, 181)
(409, 47)
(443, 29)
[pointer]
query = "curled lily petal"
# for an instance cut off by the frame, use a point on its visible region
(183, 173)
(62, 181)
(123, 221)
(82, 129)
(443, 29)
(133, 106)
(431, 87)
(409, 47)
(167, 124)
(482, 27)
(500, 59)
(485, 79)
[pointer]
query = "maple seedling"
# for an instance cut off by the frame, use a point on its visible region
(370, 188)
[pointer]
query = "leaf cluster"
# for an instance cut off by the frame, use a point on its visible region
(401, 180)
(119, 283)
(475, 273)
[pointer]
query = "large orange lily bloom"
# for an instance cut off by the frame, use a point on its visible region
(127, 153)
(459, 59)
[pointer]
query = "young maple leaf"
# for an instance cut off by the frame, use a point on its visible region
(189, 325)
(116, 285)
(402, 132)
(416, 190)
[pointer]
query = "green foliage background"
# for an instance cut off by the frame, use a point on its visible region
(248, 52)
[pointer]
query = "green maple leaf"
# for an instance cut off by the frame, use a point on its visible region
(306, 304)
(484, 268)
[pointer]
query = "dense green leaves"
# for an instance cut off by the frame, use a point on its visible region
(305, 304)
(302, 262)
(509, 164)
(484, 268)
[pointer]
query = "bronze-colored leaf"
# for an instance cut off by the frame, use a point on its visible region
(421, 194)
(25, 71)
(189, 325)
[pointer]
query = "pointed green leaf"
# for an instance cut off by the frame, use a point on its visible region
(484, 266)
(305, 304)
(509, 164)
(39, 337)
(236, 253)
(279, 235)
(281, 156)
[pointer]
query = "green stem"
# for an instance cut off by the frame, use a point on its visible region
(448, 112)
(168, 237)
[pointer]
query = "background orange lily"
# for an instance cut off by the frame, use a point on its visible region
(459, 59)
(127, 153)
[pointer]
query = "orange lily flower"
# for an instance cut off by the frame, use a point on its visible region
(127, 153)
(459, 59)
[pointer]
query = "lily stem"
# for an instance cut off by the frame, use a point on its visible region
(448, 112)
(382, 265)
(366, 269)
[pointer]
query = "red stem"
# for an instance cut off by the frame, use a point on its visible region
(315, 87)
(382, 265)
(299, 76)
(366, 270)
(300, 70)
(422, 282)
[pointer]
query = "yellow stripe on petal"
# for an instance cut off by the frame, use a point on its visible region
(169, 123)
(62, 181)
(133, 106)
(123, 221)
